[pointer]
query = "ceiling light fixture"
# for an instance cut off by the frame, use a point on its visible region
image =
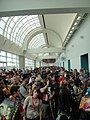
(73, 28)
(75, 23)
(79, 17)
(71, 31)
(69, 34)
(67, 37)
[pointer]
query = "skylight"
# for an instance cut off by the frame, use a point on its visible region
(15, 28)
(37, 41)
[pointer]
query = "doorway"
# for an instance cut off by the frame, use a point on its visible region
(84, 61)
(69, 66)
(63, 64)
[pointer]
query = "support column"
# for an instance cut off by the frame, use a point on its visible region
(40, 64)
(34, 63)
(21, 61)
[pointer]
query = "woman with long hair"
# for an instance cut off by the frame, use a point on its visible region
(32, 106)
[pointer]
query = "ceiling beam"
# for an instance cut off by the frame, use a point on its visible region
(47, 42)
(45, 50)
(37, 31)
(27, 7)
(46, 57)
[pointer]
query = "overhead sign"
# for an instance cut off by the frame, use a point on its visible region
(49, 60)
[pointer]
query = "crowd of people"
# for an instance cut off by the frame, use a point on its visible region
(44, 93)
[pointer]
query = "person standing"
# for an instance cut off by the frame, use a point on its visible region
(32, 106)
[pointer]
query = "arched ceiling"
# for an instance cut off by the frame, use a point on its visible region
(40, 35)
(15, 28)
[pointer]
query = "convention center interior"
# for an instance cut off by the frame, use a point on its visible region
(45, 60)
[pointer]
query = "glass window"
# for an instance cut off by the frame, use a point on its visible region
(9, 59)
(9, 20)
(17, 29)
(20, 24)
(5, 34)
(16, 26)
(5, 19)
(28, 30)
(2, 53)
(14, 64)
(32, 22)
(8, 35)
(13, 39)
(12, 24)
(4, 64)
(14, 56)
(9, 30)
(29, 63)
(9, 64)
(24, 20)
(29, 17)
(9, 55)
(1, 65)
(2, 24)
(14, 60)
(6, 28)
(2, 58)
(37, 41)
(1, 31)
(37, 64)
(15, 34)
(15, 18)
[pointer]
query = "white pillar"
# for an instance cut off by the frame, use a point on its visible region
(40, 64)
(34, 63)
(21, 61)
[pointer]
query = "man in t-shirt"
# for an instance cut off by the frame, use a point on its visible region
(23, 87)
(45, 103)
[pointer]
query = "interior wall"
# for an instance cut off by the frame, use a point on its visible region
(79, 45)
(9, 46)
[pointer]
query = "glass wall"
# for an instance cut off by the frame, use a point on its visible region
(16, 28)
(3, 59)
(29, 63)
(12, 60)
(37, 64)
(8, 60)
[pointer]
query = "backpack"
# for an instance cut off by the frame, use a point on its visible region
(8, 108)
(85, 102)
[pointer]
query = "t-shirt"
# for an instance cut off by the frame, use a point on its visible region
(61, 78)
(44, 96)
(31, 110)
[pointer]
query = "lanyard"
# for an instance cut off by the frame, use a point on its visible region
(34, 103)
